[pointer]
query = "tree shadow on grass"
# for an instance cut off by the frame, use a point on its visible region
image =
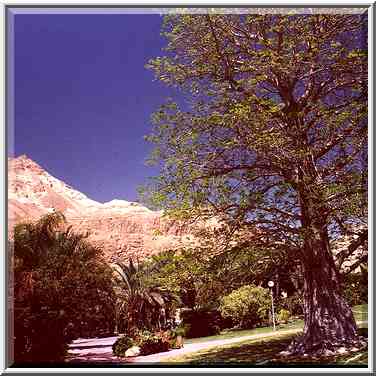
(261, 353)
(252, 353)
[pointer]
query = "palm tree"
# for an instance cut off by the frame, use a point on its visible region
(32, 240)
(140, 305)
(59, 279)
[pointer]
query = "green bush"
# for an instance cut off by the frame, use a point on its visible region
(172, 336)
(151, 343)
(247, 306)
(148, 342)
(293, 303)
(283, 315)
(181, 330)
(201, 322)
(356, 288)
(32, 343)
(121, 345)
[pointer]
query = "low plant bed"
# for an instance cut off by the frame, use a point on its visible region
(146, 343)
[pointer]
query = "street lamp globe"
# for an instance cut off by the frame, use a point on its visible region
(271, 284)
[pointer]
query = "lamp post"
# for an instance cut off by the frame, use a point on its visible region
(116, 330)
(271, 284)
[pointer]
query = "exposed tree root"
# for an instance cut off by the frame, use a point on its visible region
(304, 346)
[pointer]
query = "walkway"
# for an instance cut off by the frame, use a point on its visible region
(92, 350)
(99, 350)
(193, 347)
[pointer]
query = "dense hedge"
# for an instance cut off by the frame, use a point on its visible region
(201, 322)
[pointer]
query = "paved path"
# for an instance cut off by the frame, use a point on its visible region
(92, 350)
(99, 350)
(193, 347)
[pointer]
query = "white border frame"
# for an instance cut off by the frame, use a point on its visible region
(182, 3)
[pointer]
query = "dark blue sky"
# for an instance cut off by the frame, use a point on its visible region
(83, 98)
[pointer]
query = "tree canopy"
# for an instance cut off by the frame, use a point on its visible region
(273, 97)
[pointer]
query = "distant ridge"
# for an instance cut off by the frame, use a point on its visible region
(124, 229)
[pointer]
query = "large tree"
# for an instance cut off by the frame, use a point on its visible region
(273, 140)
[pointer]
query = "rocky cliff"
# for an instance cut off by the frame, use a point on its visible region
(124, 229)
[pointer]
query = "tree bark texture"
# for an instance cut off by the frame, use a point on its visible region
(328, 319)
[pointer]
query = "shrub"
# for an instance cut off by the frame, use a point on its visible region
(293, 304)
(148, 342)
(200, 323)
(31, 345)
(175, 337)
(356, 288)
(121, 345)
(181, 330)
(247, 306)
(151, 343)
(283, 315)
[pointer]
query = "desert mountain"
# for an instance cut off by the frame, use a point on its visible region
(124, 229)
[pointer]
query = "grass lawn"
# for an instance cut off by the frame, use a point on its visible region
(234, 333)
(265, 352)
(360, 314)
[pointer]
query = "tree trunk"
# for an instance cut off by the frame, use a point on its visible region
(328, 318)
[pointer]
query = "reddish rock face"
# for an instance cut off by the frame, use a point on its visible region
(123, 229)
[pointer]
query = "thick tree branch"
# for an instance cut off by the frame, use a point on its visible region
(354, 266)
(354, 245)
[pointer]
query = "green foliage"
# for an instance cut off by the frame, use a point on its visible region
(356, 287)
(180, 330)
(188, 273)
(138, 304)
(248, 100)
(257, 119)
(148, 342)
(293, 304)
(247, 306)
(200, 322)
(151, 343)
(61, 284)
(274, 140)
(121, 345)
(283, 315)
(177, 272)
(203, 274)
(173, 337)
